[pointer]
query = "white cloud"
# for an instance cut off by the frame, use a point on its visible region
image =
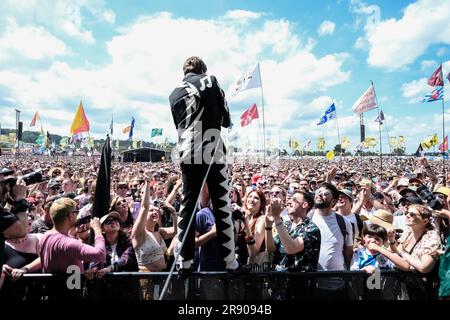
(362, 44)
(63, 16)
(139, 78)
(242, 15)
(427, 65)
(415, 89)
(30, 42)
(395, 43)
(326, 28)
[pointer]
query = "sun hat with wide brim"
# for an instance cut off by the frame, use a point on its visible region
(382, 218)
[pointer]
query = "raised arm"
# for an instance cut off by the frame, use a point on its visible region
(138, 231)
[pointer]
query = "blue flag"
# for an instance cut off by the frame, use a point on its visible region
(130, 136)
(329, 114)
(435, 95)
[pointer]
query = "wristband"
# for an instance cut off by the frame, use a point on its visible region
(268, 228)
(279, 223)
(249, 238)
(251, 242)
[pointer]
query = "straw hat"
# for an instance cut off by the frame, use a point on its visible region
(380, 217)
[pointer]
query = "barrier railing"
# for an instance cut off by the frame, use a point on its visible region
(346, 285)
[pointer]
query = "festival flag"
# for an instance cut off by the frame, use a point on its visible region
(100, 207)
(370, 142)
(443, 147)
(248, 115)
(246, 81)
(64, 142)
(436, 78)
(117, 143)
(80, 122)
(430, 142)
(47, 140)
(380, 117)
(321, 144)
(345, 142)
(329, 114)
(156, 132)
(435, 95)
(401, 141)
(129, 129)
(35, 118)
(330, 155)
(295, 144)
(111, 126)
(366, 102)
(419, 151)
(307, 145)
(394, 143)
(135, 143)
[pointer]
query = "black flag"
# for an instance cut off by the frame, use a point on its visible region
(100, 206)
(419, 151)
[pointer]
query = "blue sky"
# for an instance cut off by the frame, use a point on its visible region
(125, 57)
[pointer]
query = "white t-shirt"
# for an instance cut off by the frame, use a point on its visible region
(352, 219)
(368, 213)
(114, 256)
(332, 242)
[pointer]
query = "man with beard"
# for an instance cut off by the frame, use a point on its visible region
(12, 224)
(336, 247)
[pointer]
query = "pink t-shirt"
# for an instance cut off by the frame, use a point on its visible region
(59, 251)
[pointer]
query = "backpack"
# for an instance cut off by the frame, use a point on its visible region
(341, 223)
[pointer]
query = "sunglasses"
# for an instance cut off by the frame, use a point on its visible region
(275, 193)
(122, 187)
(323, 193)
(111, 221)
(413, 214)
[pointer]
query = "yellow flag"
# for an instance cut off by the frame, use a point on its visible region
(80, 122)
(135, 143)
(321, 143)
(345, 142)
(370, 142)
(295, 144)
(394, 142)
(330, 155)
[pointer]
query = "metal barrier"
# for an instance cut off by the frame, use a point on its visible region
(347, 285)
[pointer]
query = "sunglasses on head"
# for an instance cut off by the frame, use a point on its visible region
(111, 221)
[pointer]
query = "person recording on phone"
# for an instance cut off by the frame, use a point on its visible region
(13, 222)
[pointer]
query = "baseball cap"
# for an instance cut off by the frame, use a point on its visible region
(412, 200)
(347, 193)
(444, 190)
(112, 214)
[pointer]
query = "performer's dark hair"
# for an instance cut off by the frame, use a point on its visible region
(194, 64)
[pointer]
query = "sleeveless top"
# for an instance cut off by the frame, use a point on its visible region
(17, 259)
(149, 251)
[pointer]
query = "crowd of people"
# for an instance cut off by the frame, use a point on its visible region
(299, 216)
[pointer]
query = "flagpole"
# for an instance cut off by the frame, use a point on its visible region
(339, 136)
(379, 130)
(264, 123)
(443, 123)
(389, 138)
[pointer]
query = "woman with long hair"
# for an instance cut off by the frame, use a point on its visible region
(148, 238)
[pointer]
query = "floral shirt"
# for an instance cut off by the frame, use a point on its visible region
(429, 244)
(305, 260)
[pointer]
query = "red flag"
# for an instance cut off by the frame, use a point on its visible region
(436, 78)
(443, 147)
(35, 118)
(248, 115)
(366, 102)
